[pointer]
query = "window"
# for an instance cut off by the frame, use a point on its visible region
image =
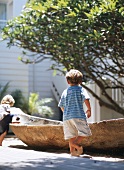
(3, 12)
(3, 15)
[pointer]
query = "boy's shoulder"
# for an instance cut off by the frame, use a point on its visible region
(4, 107)
(71, 88)
(75, 87)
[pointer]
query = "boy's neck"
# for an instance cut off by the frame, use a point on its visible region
(74, 84)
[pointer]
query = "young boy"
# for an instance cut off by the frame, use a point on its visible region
(74, 119)
(5, 116)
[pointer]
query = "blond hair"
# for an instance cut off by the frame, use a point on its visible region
(8, 99)
(74, 76)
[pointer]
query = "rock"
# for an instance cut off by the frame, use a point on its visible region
(48, 134)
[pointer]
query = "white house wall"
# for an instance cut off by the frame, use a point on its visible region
(27, 78)
(12, 70)
(10, 10)
(100, 113)
(17, 6)
(40, 78)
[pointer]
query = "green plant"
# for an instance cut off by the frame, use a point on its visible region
(20, 100)
(39, 106)
(32, 104)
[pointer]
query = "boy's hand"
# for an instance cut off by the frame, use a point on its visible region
(88, 112)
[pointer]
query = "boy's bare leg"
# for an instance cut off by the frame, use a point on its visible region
(2, 136)
(79, 139)
(71, 141)
(73, 144)
(73, 147)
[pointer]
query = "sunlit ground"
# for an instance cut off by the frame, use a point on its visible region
(13, 142)
(15, 155)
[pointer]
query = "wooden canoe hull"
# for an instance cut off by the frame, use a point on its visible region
(45, 134)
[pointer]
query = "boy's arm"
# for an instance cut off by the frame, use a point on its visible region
(88, 112)
(62, 109)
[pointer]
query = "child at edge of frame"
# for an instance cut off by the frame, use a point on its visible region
(75, 124)
(5, 115)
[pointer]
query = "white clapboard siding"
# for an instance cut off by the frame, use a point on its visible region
(28, 78)
(40, 81)
(17, 6)
(12, 70)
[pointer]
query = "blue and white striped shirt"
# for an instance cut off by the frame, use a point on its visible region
(72, 100)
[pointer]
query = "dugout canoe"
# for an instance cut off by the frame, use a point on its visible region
(48, 134)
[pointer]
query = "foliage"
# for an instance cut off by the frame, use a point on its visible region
(32, 104)
(3, 90)
(20, 100)
(39, 106)
(87, 35)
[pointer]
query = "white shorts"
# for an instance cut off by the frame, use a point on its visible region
(76, 127)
